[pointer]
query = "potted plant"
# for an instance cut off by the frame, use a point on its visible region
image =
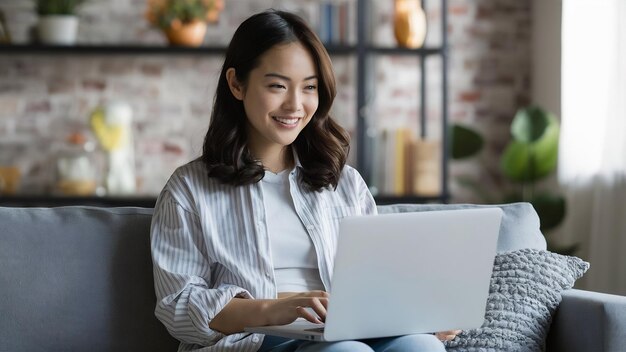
(184, 22)
(530, 157)
(58, 22)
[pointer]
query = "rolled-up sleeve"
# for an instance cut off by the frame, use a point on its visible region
(366, 200)
(186, 303)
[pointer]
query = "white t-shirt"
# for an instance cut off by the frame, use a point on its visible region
(293, 252)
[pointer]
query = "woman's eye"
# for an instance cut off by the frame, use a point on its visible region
(278, 86)
(311, 87)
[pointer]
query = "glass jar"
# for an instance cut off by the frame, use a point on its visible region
(76, 167)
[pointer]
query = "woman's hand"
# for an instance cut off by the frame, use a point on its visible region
(293, 305)
(240, 313)
(447, 335)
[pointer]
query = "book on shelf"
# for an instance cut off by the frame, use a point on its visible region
(337, 24)
(405, 165)
(427, 167)
(401, 140)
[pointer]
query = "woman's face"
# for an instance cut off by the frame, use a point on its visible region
(280, 97)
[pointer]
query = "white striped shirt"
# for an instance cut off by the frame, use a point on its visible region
(210, 243)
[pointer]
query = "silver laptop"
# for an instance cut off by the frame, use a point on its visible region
(406, 273)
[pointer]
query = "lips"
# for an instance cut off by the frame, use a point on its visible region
(288, 121)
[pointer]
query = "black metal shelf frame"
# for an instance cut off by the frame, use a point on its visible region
(28, 201)
(364, 149)
(104, 49)
(133, 49)
(59, 201)
(362, 50)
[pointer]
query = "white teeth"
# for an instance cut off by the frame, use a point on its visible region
(285, 121)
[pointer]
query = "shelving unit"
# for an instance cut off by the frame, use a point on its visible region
(363, 51)
(132, 49)
(57, 201)
(365, 151)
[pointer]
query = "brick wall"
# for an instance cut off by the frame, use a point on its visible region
(490, 79)
(45, 97)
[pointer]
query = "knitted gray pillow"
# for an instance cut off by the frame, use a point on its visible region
(525, 291)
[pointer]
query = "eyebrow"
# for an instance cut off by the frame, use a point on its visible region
(287, 78)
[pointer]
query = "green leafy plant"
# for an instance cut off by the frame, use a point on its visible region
(465, 141)
(530, 157)
(174, 13)
(57, 7)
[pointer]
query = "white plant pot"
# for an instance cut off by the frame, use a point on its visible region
(58, 29)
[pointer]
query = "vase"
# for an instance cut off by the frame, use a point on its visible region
(57, 29)
(186, 34)
(409, 23)
(112, 124)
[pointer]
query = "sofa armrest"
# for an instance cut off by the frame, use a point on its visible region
(588, 321)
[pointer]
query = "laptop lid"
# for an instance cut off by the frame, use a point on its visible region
(407, 273)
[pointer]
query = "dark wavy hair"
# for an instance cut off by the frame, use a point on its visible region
(322, 146)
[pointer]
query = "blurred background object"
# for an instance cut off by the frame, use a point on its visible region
(5, 35)
(184, 22)
(58, 21)
(77, 170)
(9, 179)
(112, 125)
(409, 23)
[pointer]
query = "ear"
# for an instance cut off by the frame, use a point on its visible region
(236, 88)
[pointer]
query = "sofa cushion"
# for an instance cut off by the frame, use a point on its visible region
(524, 294)
(519, 227)
(78, 279)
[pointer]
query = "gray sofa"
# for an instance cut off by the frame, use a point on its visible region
(80, 279)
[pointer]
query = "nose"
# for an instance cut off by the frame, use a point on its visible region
(293, 101)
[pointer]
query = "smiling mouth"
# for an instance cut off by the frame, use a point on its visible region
(288, 121)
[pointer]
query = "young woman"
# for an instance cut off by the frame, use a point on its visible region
(246, 235)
